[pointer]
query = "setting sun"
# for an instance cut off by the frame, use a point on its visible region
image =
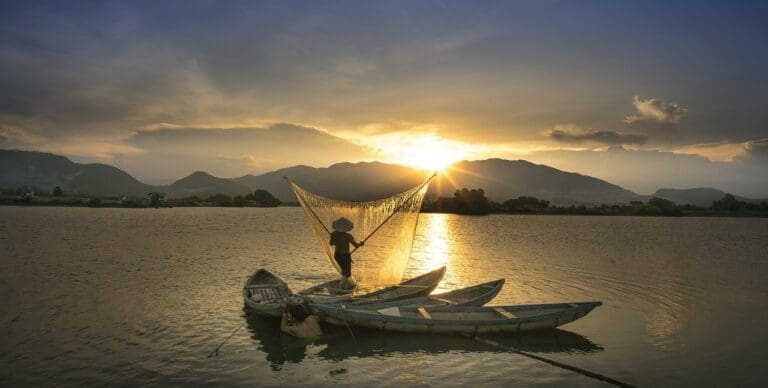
(428, 152)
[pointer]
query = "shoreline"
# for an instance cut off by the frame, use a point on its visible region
(588, 212)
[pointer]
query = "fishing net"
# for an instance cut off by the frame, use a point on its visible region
(386, 225)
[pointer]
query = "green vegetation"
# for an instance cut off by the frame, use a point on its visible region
(28, 197)
(262, 198)
(259, 198)
(474, 202)
(464, 201)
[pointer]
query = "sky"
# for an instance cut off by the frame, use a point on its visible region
(642, 94)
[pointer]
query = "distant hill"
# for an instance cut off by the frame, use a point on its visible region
(504, 179)
(701, 196)
(202, 184)
(347, 181)
(43, 171)
(501, 179)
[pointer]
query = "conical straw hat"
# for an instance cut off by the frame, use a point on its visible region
(342, 225)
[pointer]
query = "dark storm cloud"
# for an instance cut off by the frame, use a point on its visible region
(602, 137)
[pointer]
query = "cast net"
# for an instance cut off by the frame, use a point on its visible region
(387, 226)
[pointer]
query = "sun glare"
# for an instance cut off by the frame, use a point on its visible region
(431, 153)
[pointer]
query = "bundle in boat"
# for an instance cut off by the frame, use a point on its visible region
(459, 320)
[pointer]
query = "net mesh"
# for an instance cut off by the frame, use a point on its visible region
(387, 225)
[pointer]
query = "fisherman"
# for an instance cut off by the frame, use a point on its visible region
(341, 239)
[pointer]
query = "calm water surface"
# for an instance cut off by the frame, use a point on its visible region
(141, 296)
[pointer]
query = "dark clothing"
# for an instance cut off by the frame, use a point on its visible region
(342, 240)
(345, 263)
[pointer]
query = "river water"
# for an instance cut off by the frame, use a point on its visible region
(142, 296)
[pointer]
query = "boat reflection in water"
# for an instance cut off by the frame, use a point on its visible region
(373, 343)
(341, 343)
(278, 346)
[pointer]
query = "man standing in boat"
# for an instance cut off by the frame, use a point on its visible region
(341, 239)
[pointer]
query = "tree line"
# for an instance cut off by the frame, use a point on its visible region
(474, 202)
(57, 197)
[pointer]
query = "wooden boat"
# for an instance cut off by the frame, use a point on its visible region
(272, 292)
(265, 293)
(476, 295)
(459, 320)
(328, 292)
(419, 286)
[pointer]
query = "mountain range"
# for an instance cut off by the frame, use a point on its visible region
(501, 179)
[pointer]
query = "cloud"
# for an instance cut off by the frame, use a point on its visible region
(719, 151)
(573, 135)
(14, 137)
(228, 152)
(757, 149)
(645, 171)
(656, 110)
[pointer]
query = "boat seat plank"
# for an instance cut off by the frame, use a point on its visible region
(424, 313)
(504, 313)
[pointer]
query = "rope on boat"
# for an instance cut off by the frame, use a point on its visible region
(215, 352)
(584, 372)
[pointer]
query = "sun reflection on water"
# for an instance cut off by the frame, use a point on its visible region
(433, 246)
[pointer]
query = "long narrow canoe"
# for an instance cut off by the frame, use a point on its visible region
(264, 293)
(476, 295)
(460, 320)
(419, 286)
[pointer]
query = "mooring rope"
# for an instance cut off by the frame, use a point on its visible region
(584, 372)
(215, 352)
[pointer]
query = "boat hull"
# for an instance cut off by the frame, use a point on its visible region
(457, 325)
(264, 294)
(419, 286)
(476, 295)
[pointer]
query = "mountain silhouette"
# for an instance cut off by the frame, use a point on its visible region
(202, 184)
(501, 179)
(40, 170)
